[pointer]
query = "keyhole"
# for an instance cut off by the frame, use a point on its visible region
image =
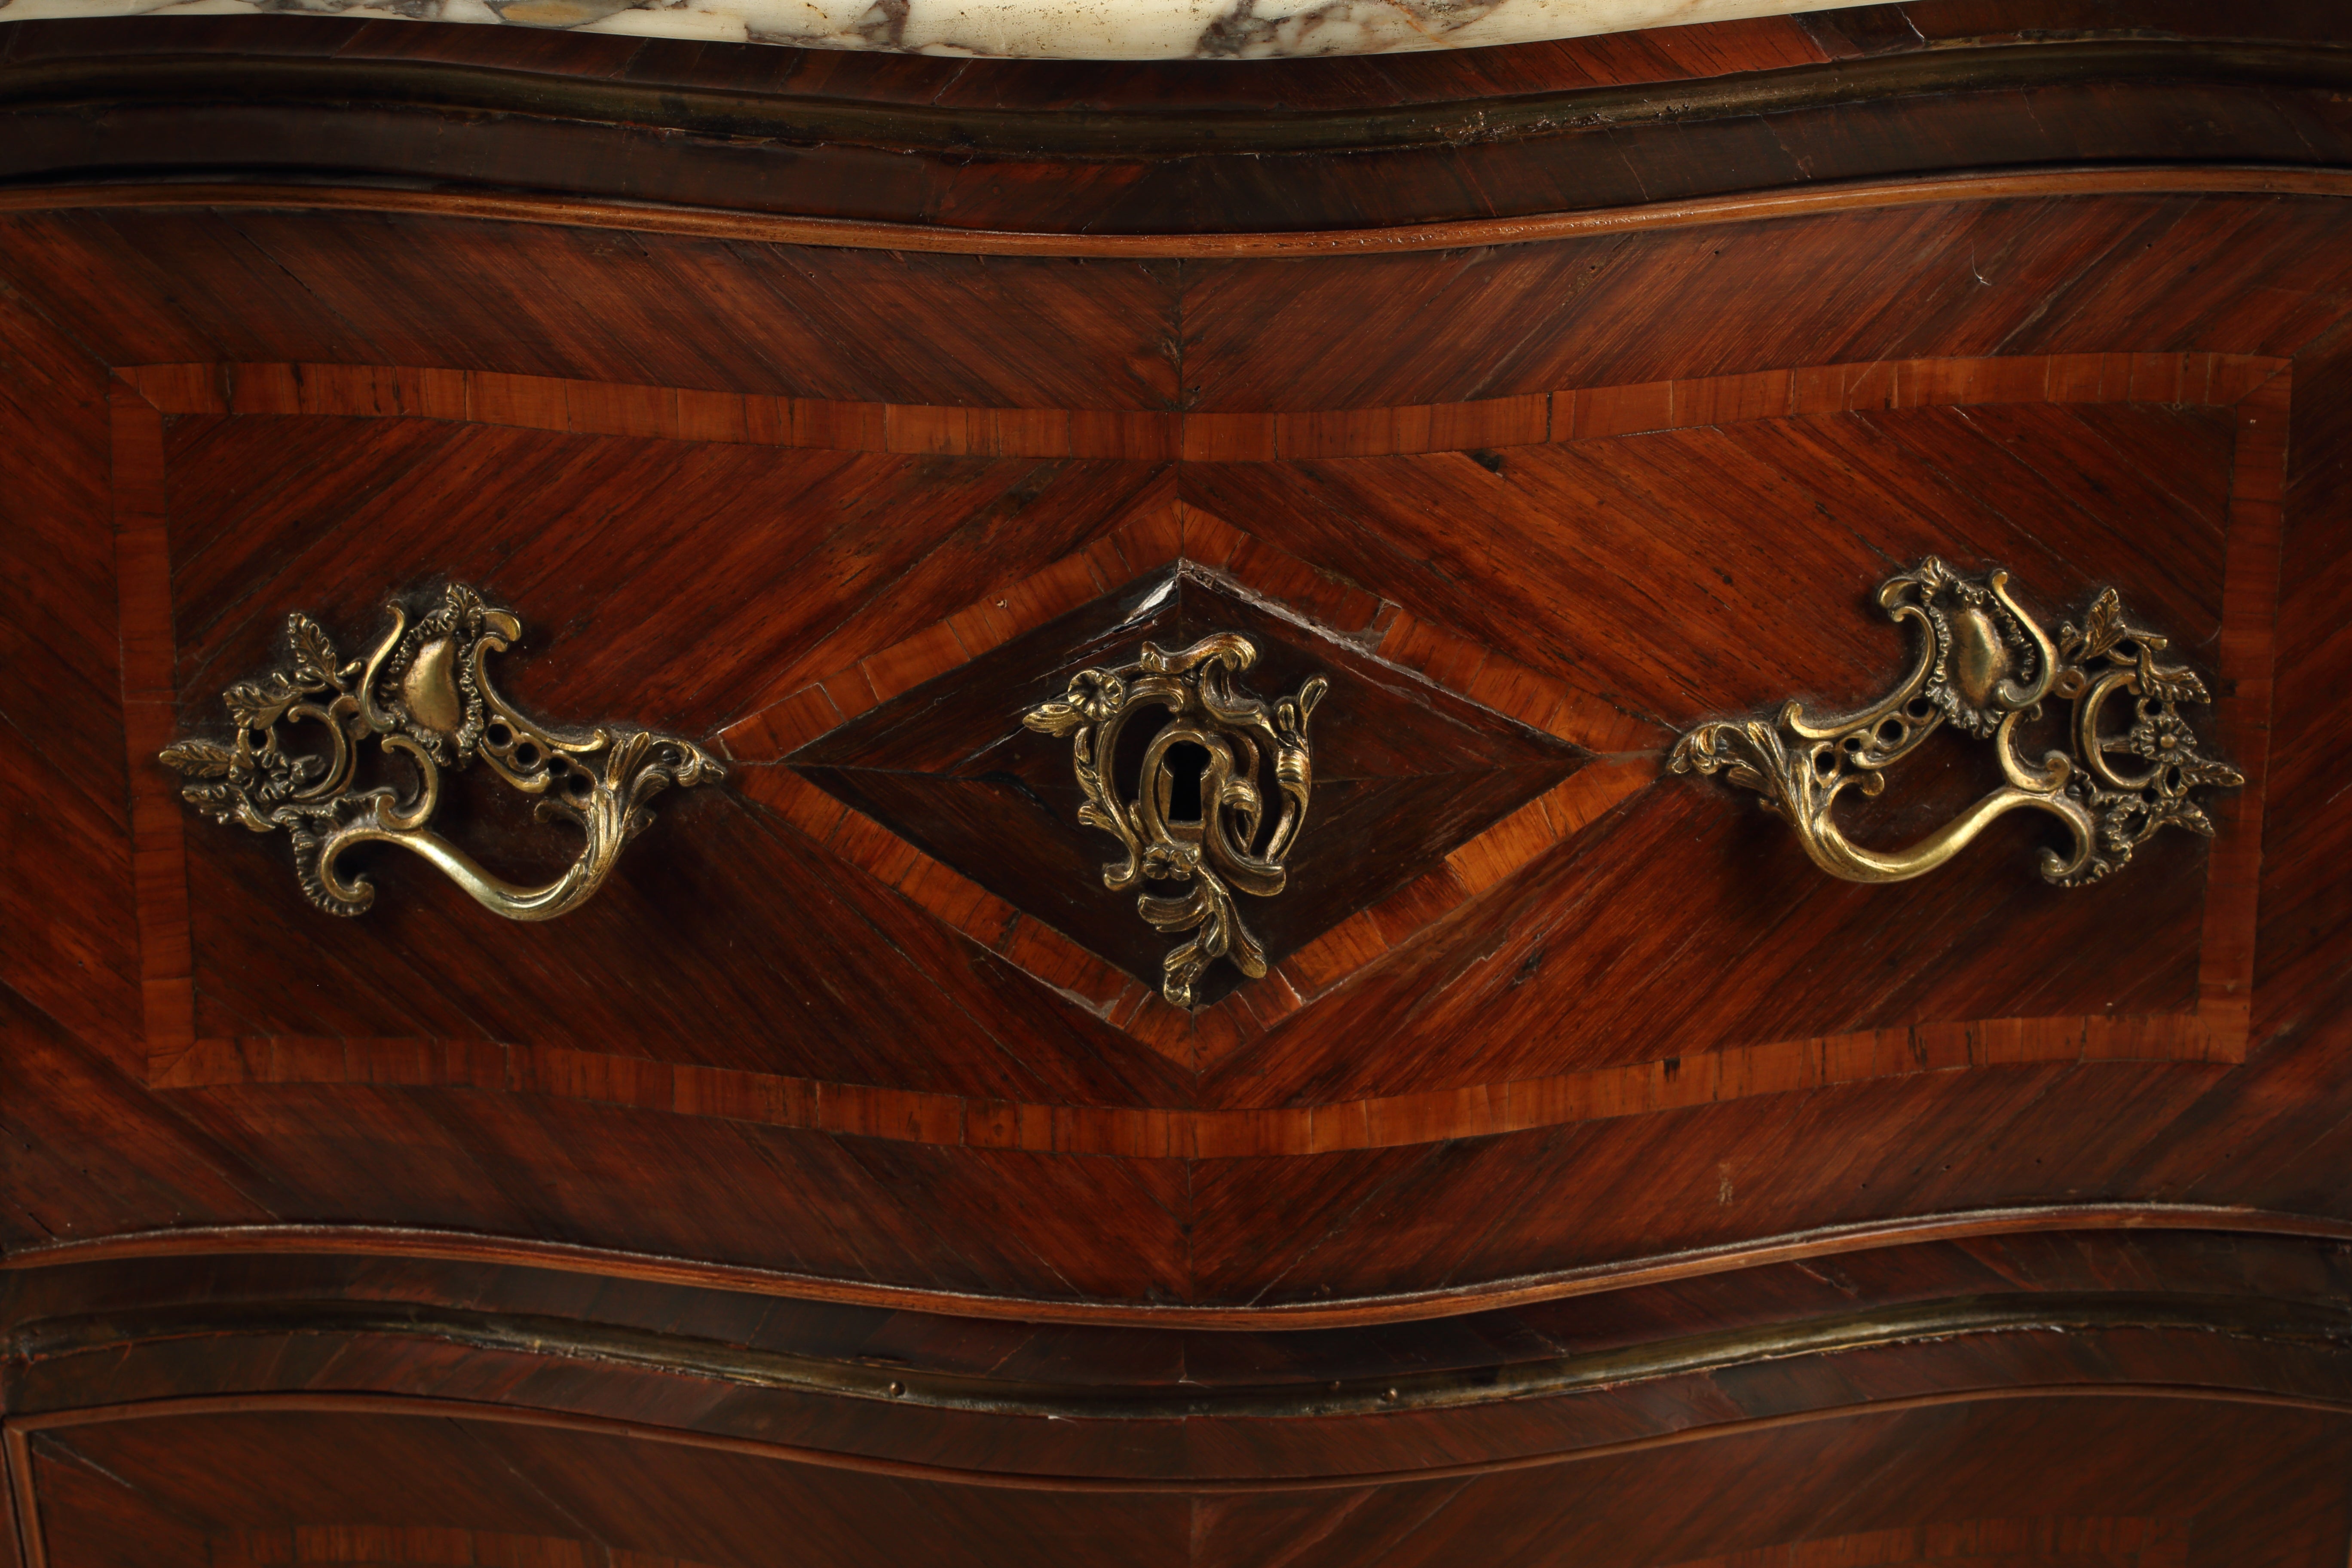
(1185, 762)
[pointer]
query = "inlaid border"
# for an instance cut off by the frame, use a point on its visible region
(2259, 388)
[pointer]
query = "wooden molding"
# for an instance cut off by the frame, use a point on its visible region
(1040, 1396)
(19, 1427)
(1828, 1242)
(192, 80)
(710, 223)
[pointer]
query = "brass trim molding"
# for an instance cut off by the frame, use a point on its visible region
(1987, 669)
(423, 696)
(112, 1334)
(1230, 846)
(866, 234)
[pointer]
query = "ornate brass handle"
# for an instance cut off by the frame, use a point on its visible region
(1985, 667)
(1232, 843)
(424, 696)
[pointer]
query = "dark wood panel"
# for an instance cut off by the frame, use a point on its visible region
(1959, 1467)
(1408, 774)
(61, 748)
(90, 1518)
(2134, 1460)
(2307, 903)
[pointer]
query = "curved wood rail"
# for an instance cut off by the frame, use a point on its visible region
(1830, 1241)
(712, 222)
(19, 1428)
(192, 81)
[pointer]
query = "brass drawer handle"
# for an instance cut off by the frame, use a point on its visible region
(424, 695)
(1985, 667)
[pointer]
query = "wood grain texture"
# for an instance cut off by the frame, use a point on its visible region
(1275, 1093)
(61, 694)
(2306, 908)
(586, 1481)
(225, 448)
(2242, 275)
(144, 588)
(1959, 1221)
(2006, 278)
(1306, 145)
(589, 407)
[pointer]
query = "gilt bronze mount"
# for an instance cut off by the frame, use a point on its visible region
(1230, 846)
(1987, 669)
(423, 696)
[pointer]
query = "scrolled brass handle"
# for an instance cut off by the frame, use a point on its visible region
(1985, 667)
(425, 697)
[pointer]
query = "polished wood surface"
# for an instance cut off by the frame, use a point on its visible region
(1590, 1181)
(1192, 147)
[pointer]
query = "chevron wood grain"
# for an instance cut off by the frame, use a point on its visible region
(1596, 1184)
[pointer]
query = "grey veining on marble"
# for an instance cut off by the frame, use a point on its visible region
(1032, 30)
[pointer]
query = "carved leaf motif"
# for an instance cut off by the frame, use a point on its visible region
(256, 707)
(2104, 626)
(2169, 683)
(1054, 718)
(199, 759)
(249, 706)
(2180, 812)
(314, 651)
(2196, 770)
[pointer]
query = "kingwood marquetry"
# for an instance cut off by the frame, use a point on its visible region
(773, 1195)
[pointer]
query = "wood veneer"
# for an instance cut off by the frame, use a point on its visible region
(1601, 447)
(939, 1113)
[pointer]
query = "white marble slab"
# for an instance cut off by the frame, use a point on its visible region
(1032, 29)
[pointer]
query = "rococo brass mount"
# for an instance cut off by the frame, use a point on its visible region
(424, 696)
(1986, 668)
(1230, 846)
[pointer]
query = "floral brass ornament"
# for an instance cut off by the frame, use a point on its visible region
(2128, 766)
(423, 696)
(1233, 846)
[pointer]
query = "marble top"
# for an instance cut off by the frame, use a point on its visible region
(1033, 29)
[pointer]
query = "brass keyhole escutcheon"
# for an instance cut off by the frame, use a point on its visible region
(1196, 818)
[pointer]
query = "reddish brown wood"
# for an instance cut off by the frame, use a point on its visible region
(1621, 442)
(1516, 1093)
(61, 688)
(16, 1496)
(142, 579)
(572, 1477)
(2305, 907)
